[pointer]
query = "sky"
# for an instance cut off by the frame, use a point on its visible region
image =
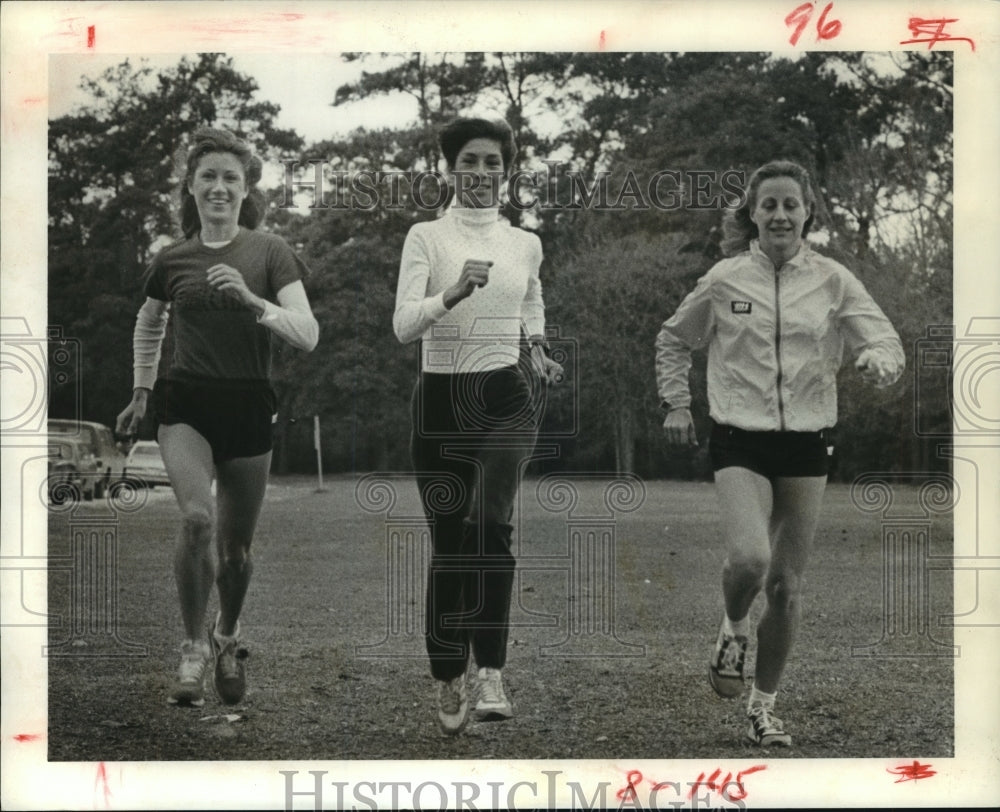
(303, 87)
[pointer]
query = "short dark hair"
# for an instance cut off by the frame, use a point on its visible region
(739, 229)
(463, 130)
(207, 140)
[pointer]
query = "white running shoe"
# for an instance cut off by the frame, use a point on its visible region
(766, 728)
(493, 705)
(453, 705)
(190, 686)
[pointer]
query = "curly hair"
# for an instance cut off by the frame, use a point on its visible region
(739, 229)
(463, 130)
(206, 141)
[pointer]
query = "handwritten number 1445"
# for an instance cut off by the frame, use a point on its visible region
(800, 19)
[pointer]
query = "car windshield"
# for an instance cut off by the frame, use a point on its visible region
(86, 433)
(107, 439)
(145, 452)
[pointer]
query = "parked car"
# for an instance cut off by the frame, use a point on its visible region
(73, 470)
(144, 464)
(101, 441)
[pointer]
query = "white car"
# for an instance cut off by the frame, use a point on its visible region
(100, 440)
(73, 472)
(145, 464)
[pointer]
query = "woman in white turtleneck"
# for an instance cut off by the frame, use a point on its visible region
(469, 290)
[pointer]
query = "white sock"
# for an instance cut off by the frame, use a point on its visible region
(224, 638)
(740, 628)
(759, 697)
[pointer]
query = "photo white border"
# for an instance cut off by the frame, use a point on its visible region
(33, 30)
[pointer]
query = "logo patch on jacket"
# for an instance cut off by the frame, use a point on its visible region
(740, 307)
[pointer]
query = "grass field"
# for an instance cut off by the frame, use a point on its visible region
(584, 685)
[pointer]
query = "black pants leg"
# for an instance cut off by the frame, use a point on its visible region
(471, 574)
(488, 589)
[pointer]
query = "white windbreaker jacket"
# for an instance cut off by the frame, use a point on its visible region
(775, 340)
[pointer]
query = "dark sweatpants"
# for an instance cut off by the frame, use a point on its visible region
(471, 433)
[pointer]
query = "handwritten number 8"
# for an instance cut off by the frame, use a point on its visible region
(800, 19)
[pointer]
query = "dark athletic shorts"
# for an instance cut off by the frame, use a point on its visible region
(235, 417)
(770, 453)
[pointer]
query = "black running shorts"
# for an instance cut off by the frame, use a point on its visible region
(770, 453)
(235, 417)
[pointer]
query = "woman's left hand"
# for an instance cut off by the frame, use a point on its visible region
(548, 370)
(877, 368)
(230, 281)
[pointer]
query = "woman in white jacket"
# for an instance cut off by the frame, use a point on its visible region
(469, 290)
(775, 318)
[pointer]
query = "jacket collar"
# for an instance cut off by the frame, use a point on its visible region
(800, 259)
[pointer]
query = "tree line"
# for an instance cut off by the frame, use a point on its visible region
(875, 130)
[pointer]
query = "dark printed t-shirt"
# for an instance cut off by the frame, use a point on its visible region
(216, 336)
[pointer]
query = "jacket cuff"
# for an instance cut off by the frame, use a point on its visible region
(538, 340)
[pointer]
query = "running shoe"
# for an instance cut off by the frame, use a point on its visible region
(493, 705)
(230, 666)
(725, 672)
(766, 728)
(453, 705)
(190, 686)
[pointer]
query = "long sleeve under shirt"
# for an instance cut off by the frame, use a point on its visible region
(484, 330)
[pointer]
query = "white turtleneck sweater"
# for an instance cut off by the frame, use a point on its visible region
(482, 331)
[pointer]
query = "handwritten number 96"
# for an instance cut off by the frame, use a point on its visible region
(800, 19)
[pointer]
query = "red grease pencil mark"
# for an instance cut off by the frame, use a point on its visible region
(722, 786)
(932, 31)
(70, 27)
(634, 777)
(912, 772)
(250, 26)
(800, 16)
(91, 35)
(601, 42)
(27, 737)
(102, 779)
(729, 787)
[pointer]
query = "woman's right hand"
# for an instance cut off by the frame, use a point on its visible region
(128, 421)
(475, 274)
(679, 428)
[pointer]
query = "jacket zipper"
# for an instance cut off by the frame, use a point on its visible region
(777, 346)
